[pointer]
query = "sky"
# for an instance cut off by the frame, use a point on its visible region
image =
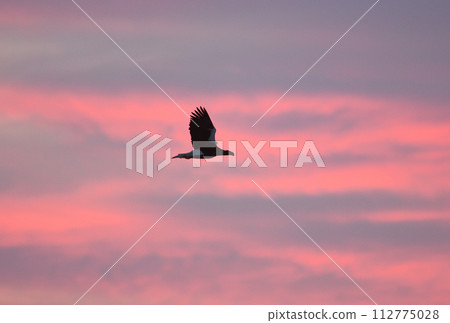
(376, 107)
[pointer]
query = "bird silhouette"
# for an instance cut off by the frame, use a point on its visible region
(203, 137)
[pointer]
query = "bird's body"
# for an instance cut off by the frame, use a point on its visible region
(203, 137)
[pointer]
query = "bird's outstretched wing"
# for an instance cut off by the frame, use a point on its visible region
(201, 127)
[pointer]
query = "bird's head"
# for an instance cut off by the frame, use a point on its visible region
(227, 152)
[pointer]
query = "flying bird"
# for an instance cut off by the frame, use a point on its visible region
(203, 137)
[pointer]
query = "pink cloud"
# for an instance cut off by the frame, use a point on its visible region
(209, 256)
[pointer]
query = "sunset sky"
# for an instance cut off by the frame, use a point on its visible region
(376, 107)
